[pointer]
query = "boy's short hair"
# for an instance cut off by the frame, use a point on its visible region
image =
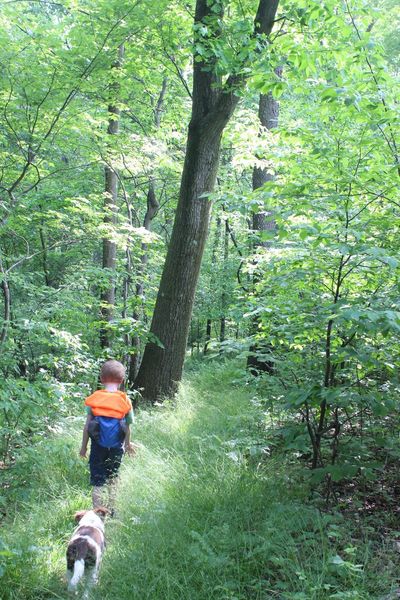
(112, 371)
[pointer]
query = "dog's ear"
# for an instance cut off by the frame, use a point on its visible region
(102, 511)
(78, 515)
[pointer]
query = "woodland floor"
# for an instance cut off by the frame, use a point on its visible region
(199, 515)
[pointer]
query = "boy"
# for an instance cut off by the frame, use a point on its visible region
(109, 415)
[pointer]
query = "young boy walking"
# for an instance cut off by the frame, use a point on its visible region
(109, 416)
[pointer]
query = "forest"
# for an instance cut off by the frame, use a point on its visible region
(208, 192)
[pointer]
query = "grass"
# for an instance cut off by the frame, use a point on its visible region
(200, 515)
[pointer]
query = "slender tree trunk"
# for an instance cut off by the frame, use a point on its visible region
(224, 293)
(110, 206)
(151, 211)
(213, 263)
(7, 305)
(208, 336)
(152, 207)
(198, 336)
(44, 256)
(263, 221)
(212, 107)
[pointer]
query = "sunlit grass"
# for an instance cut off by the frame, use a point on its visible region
(198, 517)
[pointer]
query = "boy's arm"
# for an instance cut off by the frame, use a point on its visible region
(129, 447)
(85, 436)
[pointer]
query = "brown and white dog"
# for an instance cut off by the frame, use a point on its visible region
(86, 546)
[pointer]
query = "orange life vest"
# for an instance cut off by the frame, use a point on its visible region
(109, 404)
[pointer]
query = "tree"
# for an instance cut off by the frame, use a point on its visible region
(152, 206)
(110, 206)
(263, 222)
(213, 104)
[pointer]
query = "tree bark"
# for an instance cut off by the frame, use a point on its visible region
(212, 107)
(7, 305)
(151, 211)
(263, 221)
(213, 263)
(268, 114)
(208, 336)
(224, 294)
(110, 206)
(46, 272)
(152, 208)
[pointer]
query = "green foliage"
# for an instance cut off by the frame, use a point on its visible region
(323, 292)
(53, 149)
(331, 281)
(199, 513)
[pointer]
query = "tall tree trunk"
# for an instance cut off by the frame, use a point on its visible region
(7, 305)
(151, 211)
(268, 113)
(263, 221)
(152, 207)
(208, 336)
(46, 272)
(224, 294)
(213, 263)
(110, 206)
(212, 107)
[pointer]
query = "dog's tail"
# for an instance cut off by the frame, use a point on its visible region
(77, 554)
(79, 569)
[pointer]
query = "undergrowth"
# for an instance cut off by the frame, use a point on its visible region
(203, 513)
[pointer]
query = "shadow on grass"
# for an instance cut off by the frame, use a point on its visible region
(53, 484)
(197, 518)
(197, 521)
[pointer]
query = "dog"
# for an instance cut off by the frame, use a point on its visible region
(86, 546)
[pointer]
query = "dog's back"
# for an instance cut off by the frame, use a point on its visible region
(80, 550)
(80, 554)
(85, 548)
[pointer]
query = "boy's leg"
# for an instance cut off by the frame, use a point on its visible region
(112, 494)
(98, 475)
(99, 496)
(113, 464)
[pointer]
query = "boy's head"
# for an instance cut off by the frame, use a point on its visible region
(112, 371)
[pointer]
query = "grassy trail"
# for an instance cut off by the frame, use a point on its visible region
(198, 519)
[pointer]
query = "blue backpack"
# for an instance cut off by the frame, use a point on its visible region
(108, 431)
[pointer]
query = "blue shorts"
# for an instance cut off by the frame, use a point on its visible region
(104, 463)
